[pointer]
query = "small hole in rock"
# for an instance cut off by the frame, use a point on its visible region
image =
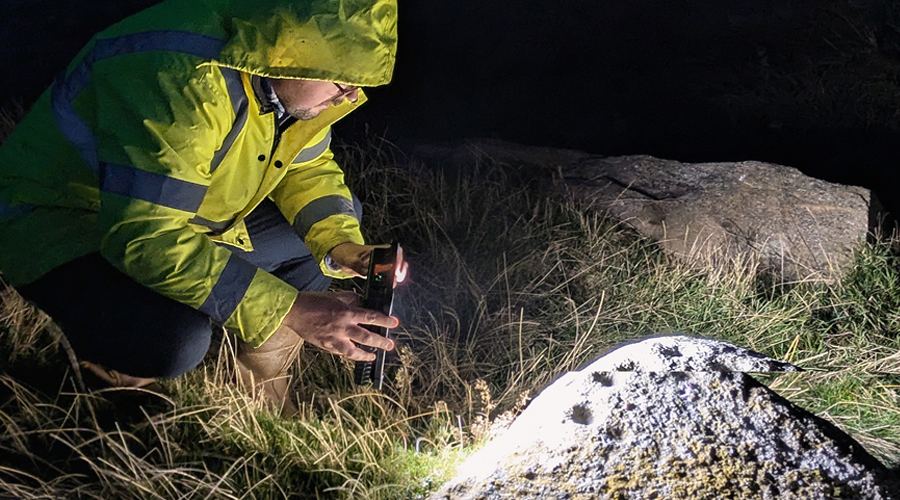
(581, 414)
(603, 378)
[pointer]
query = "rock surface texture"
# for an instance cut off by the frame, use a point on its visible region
(797, 226)
(665, 418)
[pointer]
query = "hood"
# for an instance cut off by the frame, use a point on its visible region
(346, 41)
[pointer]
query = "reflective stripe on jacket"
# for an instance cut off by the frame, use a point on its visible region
(152, 145)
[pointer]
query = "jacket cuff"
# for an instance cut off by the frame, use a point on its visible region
(263, 309)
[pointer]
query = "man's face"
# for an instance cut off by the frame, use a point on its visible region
(305, 99)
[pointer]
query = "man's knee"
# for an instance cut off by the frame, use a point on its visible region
(187, 348)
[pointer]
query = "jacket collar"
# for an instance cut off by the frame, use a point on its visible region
(266, 96)
(269, 102)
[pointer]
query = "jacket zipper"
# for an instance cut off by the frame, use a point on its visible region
(277, 138)
(275, 141)
(279, 130)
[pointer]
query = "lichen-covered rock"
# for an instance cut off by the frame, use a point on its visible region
(683, 353)
(699, 432)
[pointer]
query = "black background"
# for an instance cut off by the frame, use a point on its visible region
(606, 77)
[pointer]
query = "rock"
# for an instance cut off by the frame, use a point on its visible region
(707, 213)
(798, 226)
(686, 354)
(700, 432)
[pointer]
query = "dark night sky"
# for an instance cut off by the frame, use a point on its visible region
(610, 77)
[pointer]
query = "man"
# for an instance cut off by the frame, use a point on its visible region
(178, 174)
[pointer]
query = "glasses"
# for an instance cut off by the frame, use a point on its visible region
(344, 90)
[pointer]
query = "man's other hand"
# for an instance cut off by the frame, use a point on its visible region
(331, 321)
(352, 258)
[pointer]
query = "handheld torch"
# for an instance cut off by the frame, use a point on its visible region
(386, 270)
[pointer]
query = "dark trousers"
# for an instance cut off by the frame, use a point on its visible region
(112, 320)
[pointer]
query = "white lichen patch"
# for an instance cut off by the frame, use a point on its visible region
(684, 353)
(695, 433)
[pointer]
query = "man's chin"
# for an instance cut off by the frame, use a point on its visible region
(304, 114)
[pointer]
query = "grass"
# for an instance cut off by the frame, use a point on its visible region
(511, 285)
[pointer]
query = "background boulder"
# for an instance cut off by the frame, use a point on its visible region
(698, 432)
(797, 226)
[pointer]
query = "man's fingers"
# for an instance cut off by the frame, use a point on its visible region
(375, 318)
(359, 355)
(350, 351)
(342, 346)
(331, 321)
(360, 271)
(362, 336)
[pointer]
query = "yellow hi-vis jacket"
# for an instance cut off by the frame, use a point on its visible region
(151, 146)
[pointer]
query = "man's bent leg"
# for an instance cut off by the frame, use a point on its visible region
(279, 250)
(112, 320)
(264, 370)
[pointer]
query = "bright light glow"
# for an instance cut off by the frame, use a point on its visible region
(401, 268)
(400, 275)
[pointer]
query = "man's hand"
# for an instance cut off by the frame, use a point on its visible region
(352, 258)
(330, 320)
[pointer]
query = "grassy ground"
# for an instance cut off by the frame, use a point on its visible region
(510, 286)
